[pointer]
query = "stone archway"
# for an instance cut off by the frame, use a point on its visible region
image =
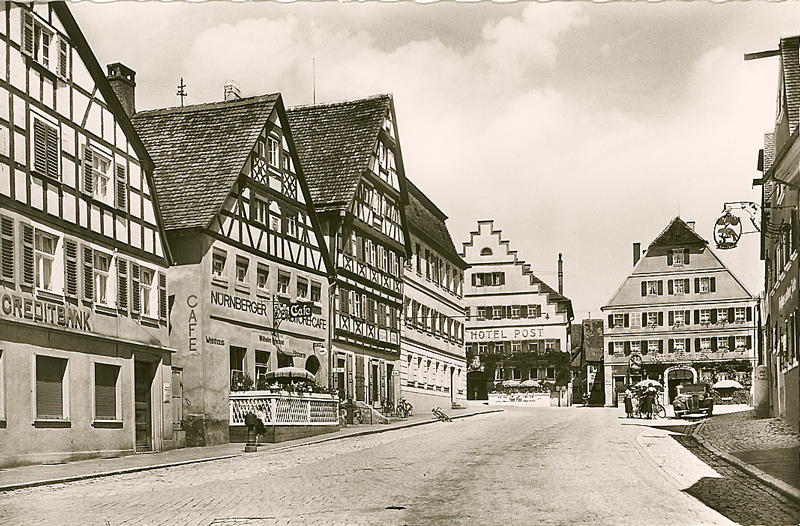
(674, 376)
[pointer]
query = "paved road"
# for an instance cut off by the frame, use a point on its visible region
(524, 466)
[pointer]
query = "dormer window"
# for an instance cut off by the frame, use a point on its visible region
(678, 257)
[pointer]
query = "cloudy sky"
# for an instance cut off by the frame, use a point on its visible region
(579, 128)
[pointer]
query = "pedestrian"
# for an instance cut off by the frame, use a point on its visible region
(647, 403)
(629, 402)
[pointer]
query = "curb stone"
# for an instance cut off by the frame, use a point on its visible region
(125, 471)
(776, 484)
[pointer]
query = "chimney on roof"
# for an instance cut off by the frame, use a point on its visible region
(232, 91)
(690, 224)
(637, 253)
(123, 82)
(560, 274)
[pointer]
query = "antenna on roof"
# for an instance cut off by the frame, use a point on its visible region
(314, 80)
(181, 91)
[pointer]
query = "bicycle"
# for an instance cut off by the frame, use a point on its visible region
(387, 408)
(404, 409)
(441, 415)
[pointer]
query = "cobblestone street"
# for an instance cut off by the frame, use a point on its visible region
(523, 466)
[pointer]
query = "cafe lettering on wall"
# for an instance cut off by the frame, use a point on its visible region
(292, 312)
(29, 308)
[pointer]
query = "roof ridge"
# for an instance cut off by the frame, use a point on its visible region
(339, 102)
(205, 106)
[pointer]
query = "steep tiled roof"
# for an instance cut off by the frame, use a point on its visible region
(790, 62)
(677, 233)
(198, 153)
(334, 142)
(424, 218)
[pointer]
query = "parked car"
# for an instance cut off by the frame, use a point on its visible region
(693, 399)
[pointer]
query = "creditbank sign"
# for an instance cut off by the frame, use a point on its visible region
(24, 307)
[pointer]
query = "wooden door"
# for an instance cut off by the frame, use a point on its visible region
(143, 378)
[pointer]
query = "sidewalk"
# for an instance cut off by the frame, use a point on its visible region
(765, 447)
(43, 474)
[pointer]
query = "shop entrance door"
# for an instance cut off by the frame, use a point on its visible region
(143, 380)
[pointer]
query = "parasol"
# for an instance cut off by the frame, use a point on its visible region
(727, 384)
(292, 373)
(648, 383)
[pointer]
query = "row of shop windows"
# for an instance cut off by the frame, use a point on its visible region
(51, 393)
(304, 290)
(655, 287)
(638, 320)
(431, 321)
(678, 345)
(503, 312)
(516, 346)
(60, 265)
(438, 270)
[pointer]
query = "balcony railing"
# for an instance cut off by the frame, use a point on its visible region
(285, 409)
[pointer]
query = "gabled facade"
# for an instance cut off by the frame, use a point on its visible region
(250, 281)
(433, 366)
(350, 152)
(517, 326)
(84, 346)
(780, 359)
(680, 317)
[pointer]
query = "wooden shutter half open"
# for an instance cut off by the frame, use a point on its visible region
(88, 170)
(88, 272)
(70, 268)
(122, 285)
(162, 298)
(121, 189)
(27, 32)
(7, 262)
(27, 274)
(136, 297)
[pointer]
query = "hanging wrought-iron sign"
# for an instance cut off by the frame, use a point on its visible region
(727, 231)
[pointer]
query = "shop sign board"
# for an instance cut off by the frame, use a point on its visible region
(24, 306)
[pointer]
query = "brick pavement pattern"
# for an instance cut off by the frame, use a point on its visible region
(546, 466)
(741, 431)
(737, 495)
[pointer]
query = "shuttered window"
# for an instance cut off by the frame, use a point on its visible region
(121, 191)
(105, 391)
(88, 273)
(122, 285)
(162, 297)
(62, 66)
(136, 295)
(50, 377)
(88, 171)
(27, 32)
(70, 268)
(27, 262)
(46, 150)
(7, 249)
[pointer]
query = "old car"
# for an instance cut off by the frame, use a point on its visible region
(693, 399)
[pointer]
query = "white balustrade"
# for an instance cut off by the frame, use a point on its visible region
(285, 409)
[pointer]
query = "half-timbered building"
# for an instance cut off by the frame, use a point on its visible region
(83, 286)
(350, 152)
(250, 280)
(433, 364)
